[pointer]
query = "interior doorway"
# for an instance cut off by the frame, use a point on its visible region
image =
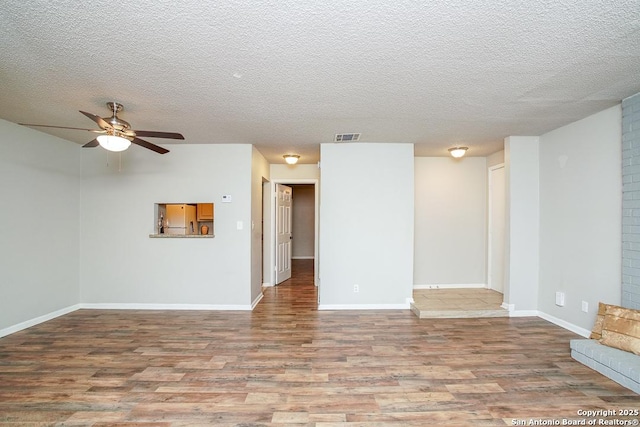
(304, 228)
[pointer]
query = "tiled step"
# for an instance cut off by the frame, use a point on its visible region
(457, 314)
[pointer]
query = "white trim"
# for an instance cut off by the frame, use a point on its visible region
(303, 257)
(452, 286)
(267, 285)
(405, 306)
(489, 222)
(257, 300)
(524, 313)
(144, 306)
(549, 318)
(37, 320)
(564, 324)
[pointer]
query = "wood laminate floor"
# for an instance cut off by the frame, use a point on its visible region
(287, 364)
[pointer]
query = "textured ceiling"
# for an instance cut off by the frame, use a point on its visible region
(286, 75)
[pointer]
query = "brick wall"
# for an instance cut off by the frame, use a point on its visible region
(631, 202)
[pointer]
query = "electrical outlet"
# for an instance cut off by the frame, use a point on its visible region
(585, 306)
(560, 299)
(356, 288)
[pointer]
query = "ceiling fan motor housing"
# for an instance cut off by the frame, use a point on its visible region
(116, 122)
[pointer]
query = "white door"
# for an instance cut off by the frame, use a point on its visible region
(496, 228)
(284, 203)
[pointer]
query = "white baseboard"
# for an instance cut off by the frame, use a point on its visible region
(267, 285)
(257, 300)
(564, 324)
(511, 308)
(364, 306)
(523, 313)
(549, 318)
(142, 306)
(452, 286)
(303, 257)
(37, 320)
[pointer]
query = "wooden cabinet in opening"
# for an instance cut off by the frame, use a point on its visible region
(204, 212)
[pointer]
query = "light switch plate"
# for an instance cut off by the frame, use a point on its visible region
(239, 225)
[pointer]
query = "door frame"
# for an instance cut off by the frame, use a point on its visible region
(316, 222)
(490, 223)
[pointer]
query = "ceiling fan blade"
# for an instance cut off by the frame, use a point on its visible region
(99, 120)
(56, 127)
(150, 146)
(92, 143)
(154, 134)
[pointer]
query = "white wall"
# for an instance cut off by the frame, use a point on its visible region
(366, 225)
(283, 172)
(120, 264)
(39, 224)
(303, 221)
(580, 216)
(450, 221)
(522, 222)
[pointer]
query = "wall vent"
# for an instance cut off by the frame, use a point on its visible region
(347, 137)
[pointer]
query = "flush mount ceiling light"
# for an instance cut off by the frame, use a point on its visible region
(292, 159)
(113, 142)
(458, 152)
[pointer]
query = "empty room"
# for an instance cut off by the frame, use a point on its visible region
(328, 214)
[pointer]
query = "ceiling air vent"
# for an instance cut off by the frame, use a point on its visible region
(347, 137)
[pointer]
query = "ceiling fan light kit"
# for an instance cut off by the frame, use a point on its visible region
(458, 152)
(113, 142)
(291, 159)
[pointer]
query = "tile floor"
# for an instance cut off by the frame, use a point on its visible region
(457, 303)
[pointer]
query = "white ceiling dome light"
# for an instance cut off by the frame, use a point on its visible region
(291, 159)
(458, 152)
